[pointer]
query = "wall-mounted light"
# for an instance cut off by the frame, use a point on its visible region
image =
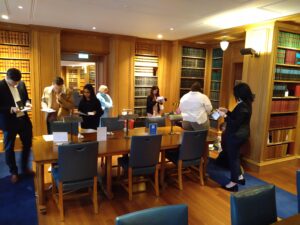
(249, 51)
(224, 45)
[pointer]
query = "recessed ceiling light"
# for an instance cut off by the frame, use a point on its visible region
(159, 36)
(94, 28)
(20, 7)
(5, 17)
(171, 28)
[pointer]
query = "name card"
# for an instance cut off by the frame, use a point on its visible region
(60, 137)
(101, 133)
(152, 128)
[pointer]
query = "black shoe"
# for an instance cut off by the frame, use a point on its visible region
(242, 181)
(234, 188)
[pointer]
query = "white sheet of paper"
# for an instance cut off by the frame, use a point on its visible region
(26, 109)
(48, 137)
(101, 133)
(48, 110)
(215, 115)
(87, 131)
(60, 137)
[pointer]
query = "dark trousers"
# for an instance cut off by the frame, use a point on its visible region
(24, 129)
(233, 149)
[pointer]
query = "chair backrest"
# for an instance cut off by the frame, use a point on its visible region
(161, 121)
(144, 151)
(77, 161)
(255, 205)
(298, 188)
(112, 123)
(192, 145)
(166, 215)
(62, 126)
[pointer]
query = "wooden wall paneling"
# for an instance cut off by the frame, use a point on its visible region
(258, 73)
(45, 66)
(208, 71)
(120, 80)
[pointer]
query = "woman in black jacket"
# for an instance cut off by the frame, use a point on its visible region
(90, 108)
(237, 132)
(153, 108)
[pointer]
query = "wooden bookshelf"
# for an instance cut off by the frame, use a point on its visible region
(77, 77)
(192, 68)
(145, 76)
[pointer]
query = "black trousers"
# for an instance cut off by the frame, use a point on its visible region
(24, 129)
(233, 149)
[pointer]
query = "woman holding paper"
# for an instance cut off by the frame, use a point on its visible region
(154, 102)
(237, 132)
(90, 108)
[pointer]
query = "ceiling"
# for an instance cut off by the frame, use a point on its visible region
(146, 18)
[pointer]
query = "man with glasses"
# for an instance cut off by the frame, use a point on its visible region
(14, 120)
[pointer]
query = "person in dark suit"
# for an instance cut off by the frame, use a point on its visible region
(13, 120)
(90, 108)
(154, 102)
(237, 132)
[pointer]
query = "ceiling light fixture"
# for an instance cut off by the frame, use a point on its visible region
(5, 17)
(94, 28)
(159, 36)
(20, 7)
(224, 45)
(172, 28)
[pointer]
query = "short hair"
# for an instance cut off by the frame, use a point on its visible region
(14, 74)
(196, 87)
(242, 91)
(102, 88)
(58, 81)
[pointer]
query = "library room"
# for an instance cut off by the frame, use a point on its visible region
(150, 112)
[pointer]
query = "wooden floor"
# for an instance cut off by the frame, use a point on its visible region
(207, 205)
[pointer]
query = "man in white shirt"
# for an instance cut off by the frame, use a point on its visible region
(195, 107)
(14, 120)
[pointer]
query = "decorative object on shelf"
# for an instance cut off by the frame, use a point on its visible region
(249, 51)
(224, 45)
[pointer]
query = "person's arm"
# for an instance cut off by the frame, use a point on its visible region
(99, 110)
(109, 104)
(101, 100)
(207, 104)
(66, 100)
(44, 102)
(150, 102)
(238, 120)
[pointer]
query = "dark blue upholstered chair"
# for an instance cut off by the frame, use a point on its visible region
(112, 123)
(62, 126)
(161, 121)
(190, 154)
(255, 205)
(165, 215)
(143, 159)
(298, 189)
(77, 169)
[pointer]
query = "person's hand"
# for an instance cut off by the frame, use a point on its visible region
(222, 109)
(15, 109)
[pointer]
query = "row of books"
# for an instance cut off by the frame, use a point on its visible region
(216, 75)
(214, 95)
(192, 73)
(217, 52)
(283, 121)
(286, 56)
(145, 81)
(284, 105)
(279, 90)
(141, 111)
(215, 86)
(276, 136)
(14, 52)
(14, 37)
(283, 73)
(142, 91)
(140, 101)
(22, 65)
(188, 83)
(144, 71)
(196, 52)
(275, 152)
(215, 104)
(217, 63)
(195, 63)
(147, 59)
(288, 39)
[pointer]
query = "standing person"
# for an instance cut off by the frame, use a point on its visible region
(105, 100)
(195, 107)
(237, 132)
(57, 101)
(13, 121)
(90, 108)
(154, 102)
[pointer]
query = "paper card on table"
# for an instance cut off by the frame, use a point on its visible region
(152, 128)
(101, 133)
(48, 137)
(60, 137)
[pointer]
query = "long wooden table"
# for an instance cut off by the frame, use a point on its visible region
(116, 144)
(293, 220)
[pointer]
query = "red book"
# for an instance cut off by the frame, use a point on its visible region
(290, 56)
(297, 90)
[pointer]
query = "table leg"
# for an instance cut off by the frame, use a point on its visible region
(108, 190)
(40, 188)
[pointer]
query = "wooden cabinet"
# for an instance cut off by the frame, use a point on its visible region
(192, 68)
(145, 76)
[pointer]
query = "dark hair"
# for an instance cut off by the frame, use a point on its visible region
(152, 89)
(242, 91)
(14, 74)
(58, 81)
(90, 88)
(196, 87)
